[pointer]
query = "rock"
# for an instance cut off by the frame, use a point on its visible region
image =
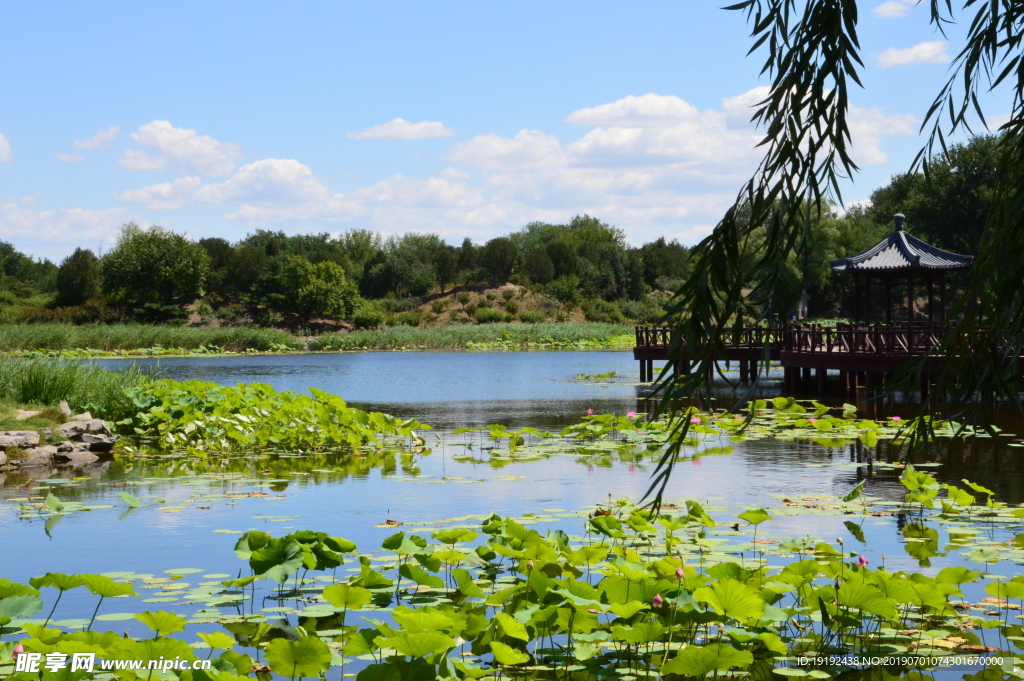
(84, 416)
(64, 408)
(72, 430)
(98, 443)
(38, 456)
(66, 446)
(18, 438)
(46, 433)
(75, 458)
(23, 414)
(97, 426)
(3, 458)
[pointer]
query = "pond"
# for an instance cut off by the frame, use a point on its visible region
(195, 512)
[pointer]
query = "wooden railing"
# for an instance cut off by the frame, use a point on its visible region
(757, 337)
(865, 339)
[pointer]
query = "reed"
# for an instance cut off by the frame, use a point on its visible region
(85, 386)
(56, 336)
(553, 334)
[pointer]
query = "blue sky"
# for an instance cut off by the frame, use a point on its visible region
(214, 119)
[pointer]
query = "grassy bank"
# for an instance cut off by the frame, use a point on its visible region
(462, 337)
(86, 387)
(110, 337)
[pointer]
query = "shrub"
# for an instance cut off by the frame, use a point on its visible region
(463, 297)
(486, 315)
(566, 290)
(368, 316)
(470, 309)
(511, 306)
(491, 296)
(266, 317)
(400, 304)
(409, 318)
(483, 302)
(508, 294)
(439, 305)
(645, 311)
(154, 266)
(602, 311)
(531, 317)
(78, 278)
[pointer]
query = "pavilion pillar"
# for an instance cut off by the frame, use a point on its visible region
(931, 302)
(867, 299)
(888, 300)
(910, 299)
(856, 298)
(942, 297)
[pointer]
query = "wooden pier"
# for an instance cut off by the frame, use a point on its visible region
(746, 348)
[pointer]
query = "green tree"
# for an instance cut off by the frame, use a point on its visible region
(539, 267)
(78, 278)
(221, 255)
(446, 265)
(154, 266)
(321, 289)
(499, 259)
(950, 207)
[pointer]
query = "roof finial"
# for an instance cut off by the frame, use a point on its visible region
(899, 218)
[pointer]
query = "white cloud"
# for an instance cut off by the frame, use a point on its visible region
(269, 181)
(168, 147)
(892, 9)
(636, 112)
(5, 149)
(929, 52)
(653, 165)
(101, 140)
(868, 126)
(54, 233)
(401, 129)
(165, 195)
(70, 158)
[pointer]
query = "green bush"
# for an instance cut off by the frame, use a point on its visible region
(368, 316)
(154, 267)
(511, 306)
(531, 317)
(508, 294)
(409, 318)
(438, 306)
(470, 309)
(78, 278)
(646, 311)
(566, 290)
(486, 315)
(86, 387)
(602, 311)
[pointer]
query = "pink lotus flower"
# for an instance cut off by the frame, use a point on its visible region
(812, 420)
(680, 573)
(657, 601)
(18, 650)
(695, 419)
(697, 462)
(862, 561)
(631, 415)
(896, 418)
(589, 412)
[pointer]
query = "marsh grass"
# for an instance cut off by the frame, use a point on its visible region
(479, 335)
(55, 336)
(86, 387)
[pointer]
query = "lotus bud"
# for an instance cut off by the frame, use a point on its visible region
(529, 564)
(18, 650)
(657, 601)
(862, 561)
(680, 573)
(590, 412)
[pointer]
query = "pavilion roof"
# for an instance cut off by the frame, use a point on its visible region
(901, 252)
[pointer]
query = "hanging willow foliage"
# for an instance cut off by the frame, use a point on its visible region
(812, 54)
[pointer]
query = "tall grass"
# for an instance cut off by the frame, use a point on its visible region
(460, 337)
(55, 336)
(86, 387)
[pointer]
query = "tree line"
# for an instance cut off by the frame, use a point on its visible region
(152, 274)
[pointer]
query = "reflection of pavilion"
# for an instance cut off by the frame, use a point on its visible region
(862, 352)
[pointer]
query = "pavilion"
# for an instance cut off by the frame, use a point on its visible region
(900, 260)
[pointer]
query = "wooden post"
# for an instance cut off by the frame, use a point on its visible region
(743, 371)
(942, 297)
(806, 379)
(926, 381)
(931, 301)
(822, 382)
(867, 299)
(869, 384)
(888, 300)
(910, 299)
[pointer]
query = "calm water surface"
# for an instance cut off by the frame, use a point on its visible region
(446, 390)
